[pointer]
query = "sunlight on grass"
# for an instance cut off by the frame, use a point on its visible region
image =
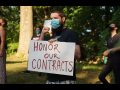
(14, 68)
(93, 67)
(81, 75)
(85, 73)
(88, 74)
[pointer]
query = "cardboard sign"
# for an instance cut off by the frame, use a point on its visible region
(56, 58)
(47, 23)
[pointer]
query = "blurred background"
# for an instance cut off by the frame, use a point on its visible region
(90, 22)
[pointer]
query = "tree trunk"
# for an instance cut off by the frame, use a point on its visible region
(26, 30)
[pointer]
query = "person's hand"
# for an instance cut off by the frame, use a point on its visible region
(52, 40)
(1, 53)
(106, 52)
(103, 58)
(45, 30)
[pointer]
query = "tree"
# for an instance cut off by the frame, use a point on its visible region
(11, 14)
(89, 17)
(78, 18)
(26, 29)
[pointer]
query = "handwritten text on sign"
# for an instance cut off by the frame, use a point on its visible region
(57, 58)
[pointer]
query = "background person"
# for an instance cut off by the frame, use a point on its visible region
(3, 23)
(113, 54)
(62, 34)
(35, 37)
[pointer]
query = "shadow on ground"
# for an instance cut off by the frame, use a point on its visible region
(84, 74)
(17, 77)
(12, 62)
(88, 74)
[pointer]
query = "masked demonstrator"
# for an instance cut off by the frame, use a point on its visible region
(113, 55)
(61, 34)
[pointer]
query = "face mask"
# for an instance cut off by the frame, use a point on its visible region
(55, 23)
(111, 29)
(37, 32)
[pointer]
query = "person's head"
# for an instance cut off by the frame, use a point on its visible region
(3, 22)
(58, 20)
(113, 27)
(38, 30)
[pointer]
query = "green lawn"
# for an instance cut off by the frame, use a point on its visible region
(85, 73)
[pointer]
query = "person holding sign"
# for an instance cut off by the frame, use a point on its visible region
(35, 37)
(113, 54)
(61, 34)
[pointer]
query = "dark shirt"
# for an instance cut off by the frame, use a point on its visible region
(37, 37)
(111, 43)
(67, 35)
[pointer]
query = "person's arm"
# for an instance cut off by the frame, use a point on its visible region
(3, 35)
(73, 37)
(77, 52)
(44, 31)
(111, 50)
(116, 48)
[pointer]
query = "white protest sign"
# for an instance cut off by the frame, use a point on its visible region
(56, 58)
(47, 23)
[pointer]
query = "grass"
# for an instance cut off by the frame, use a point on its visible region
(85, 73)
(88, 74)
(14, 68)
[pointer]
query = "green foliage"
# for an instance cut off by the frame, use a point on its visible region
(12, 47)
(104, 35)
(13, 26)
(102, 45)
(78, 18)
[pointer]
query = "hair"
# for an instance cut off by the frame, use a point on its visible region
(4, 21)
(59, 11)
(116, 25)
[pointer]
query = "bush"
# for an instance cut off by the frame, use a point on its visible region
(12, 47)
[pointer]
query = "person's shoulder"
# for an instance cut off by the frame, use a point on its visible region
(34, 36)
(109, 37)
(70, 30)
(118, 34)
(2, 30)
